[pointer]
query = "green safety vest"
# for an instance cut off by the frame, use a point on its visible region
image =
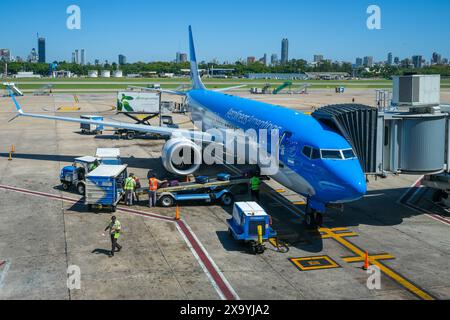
(129, 184)
(117, 227)
(254, 183)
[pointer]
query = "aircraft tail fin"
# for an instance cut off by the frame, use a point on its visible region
(197, 83)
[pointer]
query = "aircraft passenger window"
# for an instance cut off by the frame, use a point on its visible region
(331, 154)
(348, 154)
(315, 154)
(307, 152)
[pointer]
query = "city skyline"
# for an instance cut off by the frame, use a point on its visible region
(344, 38)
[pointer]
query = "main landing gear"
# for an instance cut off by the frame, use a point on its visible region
(313, 218)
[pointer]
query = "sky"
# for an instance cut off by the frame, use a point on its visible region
(148, 30)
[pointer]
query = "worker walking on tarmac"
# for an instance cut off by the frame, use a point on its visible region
(130, 185)
(153, 185)
(115, 228)
(255, 183)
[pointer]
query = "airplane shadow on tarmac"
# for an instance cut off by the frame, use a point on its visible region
(378, 208)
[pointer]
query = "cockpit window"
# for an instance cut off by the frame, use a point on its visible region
(348, 154)
(307, 151)
(331, 154)
(315, 154)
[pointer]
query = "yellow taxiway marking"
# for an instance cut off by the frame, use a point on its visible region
(68, 108)
(314, 263)
(374, 260)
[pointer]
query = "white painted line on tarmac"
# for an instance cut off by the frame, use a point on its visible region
(6, 265)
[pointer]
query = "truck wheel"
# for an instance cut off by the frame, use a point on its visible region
(81, 189)
(318, 219)
(113, 208)
(65, 186)
(90, 207)
(167, 201)
(227, 199)
(130, 135)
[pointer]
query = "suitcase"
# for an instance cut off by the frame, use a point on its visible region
(202, 179)
(174, 183)
(223, 177)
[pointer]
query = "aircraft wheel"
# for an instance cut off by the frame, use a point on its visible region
(310, 220)
(318, 219)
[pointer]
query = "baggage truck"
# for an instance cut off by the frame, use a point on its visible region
(104, 186)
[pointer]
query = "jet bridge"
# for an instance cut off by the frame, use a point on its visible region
(409, 135)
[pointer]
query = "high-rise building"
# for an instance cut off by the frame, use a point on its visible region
(77, 56)
(122, 59)
(368, 61)
(396, 60)
(263, 60)
(74, 60)
(284, 51)
(358, 62)
(41, 50)
(389, 59)
(5, 55)
(417, 61)
(274, 59)
(251, 60)
(181, 57)
(32, 57)
(318, 58)
(83, 57)
(437, 58)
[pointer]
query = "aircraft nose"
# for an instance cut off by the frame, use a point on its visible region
(349, 175)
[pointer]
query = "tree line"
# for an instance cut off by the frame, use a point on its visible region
(240, 69)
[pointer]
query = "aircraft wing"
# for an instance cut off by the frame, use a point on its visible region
(179, 93)
(229, 88)
(164, 131)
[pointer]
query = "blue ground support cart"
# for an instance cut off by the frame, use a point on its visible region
(91, 128)
(104, 186)
(251, 223)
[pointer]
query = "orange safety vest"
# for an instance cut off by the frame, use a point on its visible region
(153, 184)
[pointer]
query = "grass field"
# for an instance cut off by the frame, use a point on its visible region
(111, 84)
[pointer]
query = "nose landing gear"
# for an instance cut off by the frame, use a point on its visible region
(313, 218)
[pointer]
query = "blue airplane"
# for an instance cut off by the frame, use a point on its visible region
(314, 160)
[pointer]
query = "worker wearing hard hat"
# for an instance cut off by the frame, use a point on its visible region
(129, 187)
(115, 228)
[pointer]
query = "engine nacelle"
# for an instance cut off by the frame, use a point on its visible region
(181, 156)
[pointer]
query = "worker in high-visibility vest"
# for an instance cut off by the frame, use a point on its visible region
(255, 183)
(129, 187)
(115, 227)
(153, 185)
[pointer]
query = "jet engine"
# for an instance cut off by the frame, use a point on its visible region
(181, 156)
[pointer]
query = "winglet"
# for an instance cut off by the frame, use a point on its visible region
(19, 109)
(197, 83)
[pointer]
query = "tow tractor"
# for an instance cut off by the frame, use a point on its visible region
(250, 223)
(223, 189)
(75, 175)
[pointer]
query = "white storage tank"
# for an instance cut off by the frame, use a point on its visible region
(106, 74)
(93, 74)
(118, 74)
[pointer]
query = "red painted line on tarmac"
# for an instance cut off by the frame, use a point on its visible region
(405, 200)
(2, 263)
(207, 262)
(216, 276)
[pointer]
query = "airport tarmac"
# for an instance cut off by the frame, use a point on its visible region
(44, 230)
